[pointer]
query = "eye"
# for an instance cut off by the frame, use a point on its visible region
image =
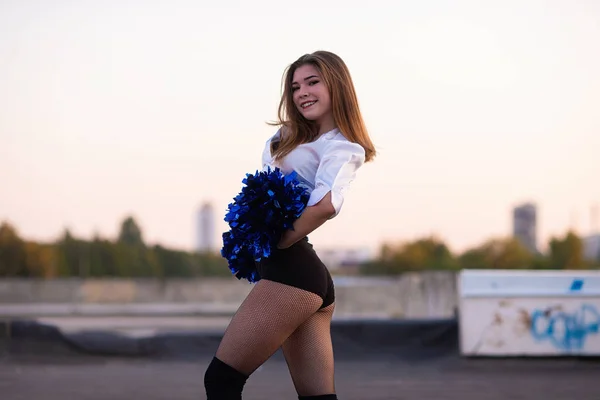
(294, 88)
(313, 83)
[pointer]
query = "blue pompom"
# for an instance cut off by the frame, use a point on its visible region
(267, 206)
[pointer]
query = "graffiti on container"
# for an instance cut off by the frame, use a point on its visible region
(566, 331)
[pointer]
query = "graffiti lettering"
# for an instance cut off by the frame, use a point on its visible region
(566, 331)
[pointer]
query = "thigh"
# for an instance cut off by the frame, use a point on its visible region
(266, 318)
(309, 355)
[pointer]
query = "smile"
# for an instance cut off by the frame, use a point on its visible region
(307, 104)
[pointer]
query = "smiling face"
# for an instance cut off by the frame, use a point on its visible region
(311, 97)
(318, 96)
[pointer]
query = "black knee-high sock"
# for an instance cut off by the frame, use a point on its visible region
(321, 397)
(223, 382)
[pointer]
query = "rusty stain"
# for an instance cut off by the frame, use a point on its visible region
(521, 328)
(524, 317)
(557, 308)
(504, 303)
(495, 342)
(497, 319)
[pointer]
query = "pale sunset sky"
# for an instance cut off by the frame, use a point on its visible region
(150, 108)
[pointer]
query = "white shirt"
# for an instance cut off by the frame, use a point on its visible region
(328, 164)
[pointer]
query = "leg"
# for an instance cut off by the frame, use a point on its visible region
(270, 313)
(309, 355)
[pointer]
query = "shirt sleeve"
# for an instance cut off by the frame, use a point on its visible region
(337, 169)
(266, 154)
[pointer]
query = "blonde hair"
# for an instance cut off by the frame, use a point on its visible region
(344, 104)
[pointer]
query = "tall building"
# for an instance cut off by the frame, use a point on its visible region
(525, 225)
(205, 228)
(591, 247)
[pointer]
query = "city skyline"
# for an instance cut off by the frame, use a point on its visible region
(207, 238)
(206, 235)
(473, 108)
(525, 225)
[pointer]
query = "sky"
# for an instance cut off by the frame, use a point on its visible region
(151, 108)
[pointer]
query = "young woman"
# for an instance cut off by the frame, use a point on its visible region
(323, 138)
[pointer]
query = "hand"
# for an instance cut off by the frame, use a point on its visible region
(312, 217)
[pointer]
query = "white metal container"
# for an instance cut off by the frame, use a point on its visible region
(529, 312)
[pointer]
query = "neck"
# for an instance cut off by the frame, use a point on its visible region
(326, 124)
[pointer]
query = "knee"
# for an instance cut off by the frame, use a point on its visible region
(222, 381)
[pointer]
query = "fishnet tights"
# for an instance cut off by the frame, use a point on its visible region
(309, 355)
(276, 315)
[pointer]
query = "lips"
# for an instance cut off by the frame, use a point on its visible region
(308, 104)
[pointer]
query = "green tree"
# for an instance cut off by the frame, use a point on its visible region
(209, 264)
(132, 257)
(566, 253)
(130, 233)
(40, 260)
(422, 254)
(474, 259)
(103, 260)
(425, 254)
(73, 256)
(503, 253)
(13, 254)
(127, 256)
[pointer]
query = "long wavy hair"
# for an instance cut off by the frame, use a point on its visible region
(346, 113)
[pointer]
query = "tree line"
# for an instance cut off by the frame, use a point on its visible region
(431, 253)
(126, 256)
(129, 256)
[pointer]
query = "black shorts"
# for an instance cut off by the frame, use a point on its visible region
(299, 266)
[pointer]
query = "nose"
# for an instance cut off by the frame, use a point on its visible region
(302, 93)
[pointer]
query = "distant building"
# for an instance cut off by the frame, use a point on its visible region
(591, 247)
(525, 225)
(205, 228)
(344, 259)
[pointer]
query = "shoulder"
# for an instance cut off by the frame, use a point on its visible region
(272, 139)
(336, 142)
(275, 136)
(267, 156)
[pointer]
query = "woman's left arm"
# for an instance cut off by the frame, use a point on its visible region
(336, 170)
(312, 217)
